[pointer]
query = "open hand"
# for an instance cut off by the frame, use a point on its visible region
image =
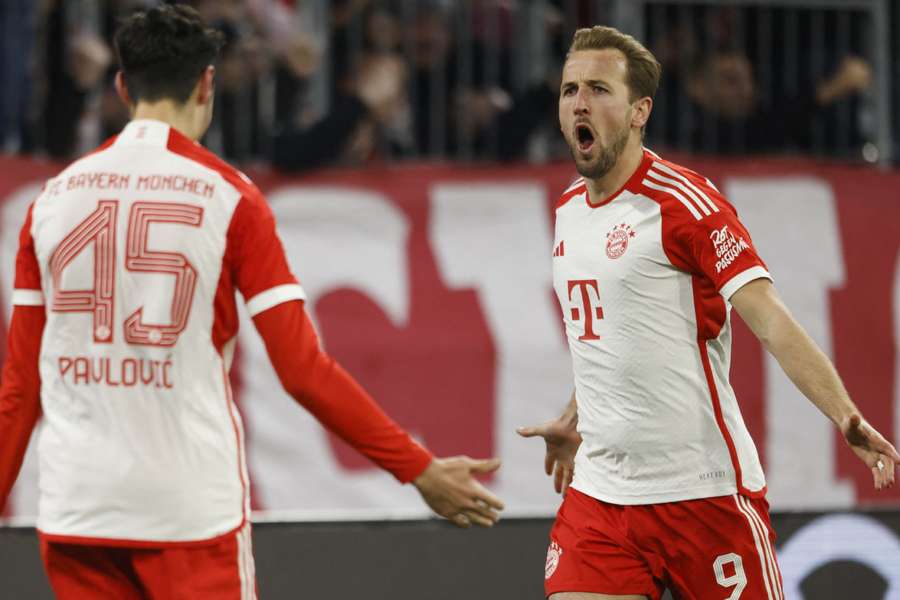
(878, 454)
(450, 489)
(562, 443)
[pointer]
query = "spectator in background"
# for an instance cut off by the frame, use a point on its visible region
(500, 126)
(369, 113)
(264, 45)
(729, 117)
(17, 21)
(457, 103)
(485, 119)
(498, 123)
(434, 77)
(78, 104)
(348, 133)
(279, 25)
(76, 58)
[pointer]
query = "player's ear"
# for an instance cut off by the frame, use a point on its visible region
(122, 89)
(641, 114)
(206, 87)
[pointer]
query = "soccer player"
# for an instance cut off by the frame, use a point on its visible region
(122, 333)
(666, 486)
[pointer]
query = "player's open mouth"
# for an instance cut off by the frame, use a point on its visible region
(585, 137)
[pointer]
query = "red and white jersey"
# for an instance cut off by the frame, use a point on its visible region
(137, 250)
(643, 279)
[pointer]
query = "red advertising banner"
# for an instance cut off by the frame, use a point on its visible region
(432, 285)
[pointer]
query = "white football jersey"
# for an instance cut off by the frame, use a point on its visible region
(137, 250)
(643, 280)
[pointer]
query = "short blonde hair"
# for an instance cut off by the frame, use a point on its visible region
(644, 70)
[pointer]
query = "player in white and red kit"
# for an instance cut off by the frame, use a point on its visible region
(122, 333)
(667, 489)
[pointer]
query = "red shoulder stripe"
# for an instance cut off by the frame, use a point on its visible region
(577, 188)
(702, 186)
(183, 146)
(673, 185)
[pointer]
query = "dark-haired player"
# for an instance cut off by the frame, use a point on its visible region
(122, 334)
(668, 490)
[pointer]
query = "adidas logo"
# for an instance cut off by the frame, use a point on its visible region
(560, 250)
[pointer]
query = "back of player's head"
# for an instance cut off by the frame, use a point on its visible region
(643, 68)
(164, 51)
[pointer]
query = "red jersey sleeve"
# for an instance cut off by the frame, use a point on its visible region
(254, 253)
(27, 285)
(20, 386)
(324, 388)
(703, 234)
(20, 391)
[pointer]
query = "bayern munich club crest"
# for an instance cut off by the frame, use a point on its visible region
(553, 554)
(617, 240)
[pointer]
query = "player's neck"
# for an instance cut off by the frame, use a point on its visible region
(603, 187)
(180, 117)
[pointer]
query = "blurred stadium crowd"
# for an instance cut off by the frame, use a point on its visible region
(305, 84)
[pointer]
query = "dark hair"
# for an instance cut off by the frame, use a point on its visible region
(164, 51)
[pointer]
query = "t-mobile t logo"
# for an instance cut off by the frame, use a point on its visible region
(590, 306)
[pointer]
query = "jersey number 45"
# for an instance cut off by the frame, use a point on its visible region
(99, 230)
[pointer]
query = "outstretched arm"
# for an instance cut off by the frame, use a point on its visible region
(806, 365)
(324, 388)
(256, 264)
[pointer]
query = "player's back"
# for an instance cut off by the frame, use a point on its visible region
(141, 437)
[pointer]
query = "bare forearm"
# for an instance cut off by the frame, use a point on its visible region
(802, 360)
(812, 372)
(808, 367)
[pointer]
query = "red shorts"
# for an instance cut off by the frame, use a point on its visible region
(708, 548)
(222, 570)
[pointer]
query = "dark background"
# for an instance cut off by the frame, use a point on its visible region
(428, 560)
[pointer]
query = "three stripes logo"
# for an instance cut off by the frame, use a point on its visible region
(666, 179)
(560, 250)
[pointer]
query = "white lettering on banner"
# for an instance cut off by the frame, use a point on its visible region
(334, 238)
(494, 238)
(24, 496)
(840, 537)
(806, 218)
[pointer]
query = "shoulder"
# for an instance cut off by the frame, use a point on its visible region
(86, 162)
(89, 159)
(196, 153)
(681, 192)
(576, 188)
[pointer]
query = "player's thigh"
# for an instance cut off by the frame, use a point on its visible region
(584, 596)
(81, 572)
(726, 548)
(590, 558)
(224, 570)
